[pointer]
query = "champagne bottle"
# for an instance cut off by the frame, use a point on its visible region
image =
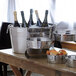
(30, 22)
(16, 23)
(45, 22)
(24, 23)
(39, 23)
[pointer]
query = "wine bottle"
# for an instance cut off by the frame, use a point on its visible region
(24, 23)
(30, 22)
(16, 23)
(57, 42)
(39, 23)
(45, 22)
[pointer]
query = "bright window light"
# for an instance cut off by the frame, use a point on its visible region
(26, 5)
(65, 10)
(3, 10)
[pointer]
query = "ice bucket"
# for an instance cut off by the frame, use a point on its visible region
(39, 40)
(18, 39)
(71, 61)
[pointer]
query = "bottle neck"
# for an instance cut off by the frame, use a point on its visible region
(16, 24)
(15, 16)
(24, 24)
(37, 16)
(23, 20)
(38, 19)
(45, 19)
(30, 22)
(31, 16)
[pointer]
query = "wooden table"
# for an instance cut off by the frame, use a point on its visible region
(36, 65)
(69, 44)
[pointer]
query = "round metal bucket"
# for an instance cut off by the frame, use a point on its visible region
(18, 39)
(71, 61)
(60, 59)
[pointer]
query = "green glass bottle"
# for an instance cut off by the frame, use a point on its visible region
(24, 23)
(16, 23)
(45, 22)
(39, 23)
(30, 22)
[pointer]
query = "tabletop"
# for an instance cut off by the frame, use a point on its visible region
(38, 65)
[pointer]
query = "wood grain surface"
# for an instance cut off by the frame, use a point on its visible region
(69, 44)
(37, 65)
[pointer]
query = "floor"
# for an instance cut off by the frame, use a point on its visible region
(10, 73)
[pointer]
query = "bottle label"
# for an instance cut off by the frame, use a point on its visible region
(33, 44)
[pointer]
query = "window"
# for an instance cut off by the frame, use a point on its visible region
(65, 10)
(7, 8)
(3, 10)
(26, 5)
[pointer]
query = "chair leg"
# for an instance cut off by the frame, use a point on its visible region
(1, 72)
(21, 71)
(5, 70)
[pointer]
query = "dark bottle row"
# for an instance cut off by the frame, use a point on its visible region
(31, 22)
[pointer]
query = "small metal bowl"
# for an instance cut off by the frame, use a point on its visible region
(59, 59)
(71, 61)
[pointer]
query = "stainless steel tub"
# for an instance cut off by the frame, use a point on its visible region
(71, 61)
(59, 59)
